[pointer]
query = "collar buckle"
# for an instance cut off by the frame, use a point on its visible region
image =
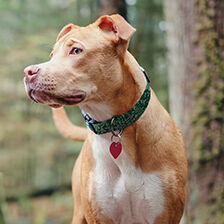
(89, 122)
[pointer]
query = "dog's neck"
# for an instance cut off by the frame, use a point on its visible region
(132, 87)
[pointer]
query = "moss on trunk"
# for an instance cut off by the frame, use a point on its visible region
(210, 85)
(207, 154)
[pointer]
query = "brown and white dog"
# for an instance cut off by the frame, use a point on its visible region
(91, 67)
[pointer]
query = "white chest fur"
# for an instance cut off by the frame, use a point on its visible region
(123, 193)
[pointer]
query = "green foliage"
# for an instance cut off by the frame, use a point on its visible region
(56, 209)
(2, 218)
(148, 44)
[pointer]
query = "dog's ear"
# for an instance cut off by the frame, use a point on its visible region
(118, 26)
(125, 30)
(66, 29)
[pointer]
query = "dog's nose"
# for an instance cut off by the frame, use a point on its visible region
(31, 70)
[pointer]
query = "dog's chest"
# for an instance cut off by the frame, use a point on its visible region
(124, 193)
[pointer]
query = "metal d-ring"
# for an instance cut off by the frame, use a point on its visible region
(112, 131)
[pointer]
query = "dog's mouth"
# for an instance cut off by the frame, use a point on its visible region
(74, 99)
(51, 100)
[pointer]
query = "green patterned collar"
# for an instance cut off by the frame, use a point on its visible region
(119, 122)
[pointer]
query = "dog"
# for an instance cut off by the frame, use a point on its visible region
(132, 167)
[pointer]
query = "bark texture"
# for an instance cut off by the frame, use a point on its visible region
(195, 38)
(113, 6)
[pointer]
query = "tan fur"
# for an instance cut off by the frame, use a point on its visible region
(153, 143)
(66, 128)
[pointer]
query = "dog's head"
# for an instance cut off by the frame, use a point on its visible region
(85, 64)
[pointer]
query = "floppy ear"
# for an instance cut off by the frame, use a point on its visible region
(116, 25)
(125, 30)
(66, 29)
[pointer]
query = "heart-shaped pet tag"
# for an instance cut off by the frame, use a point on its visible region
(115, 149)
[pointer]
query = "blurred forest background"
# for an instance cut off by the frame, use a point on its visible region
(181, 45)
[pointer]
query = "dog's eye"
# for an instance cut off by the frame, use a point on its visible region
(75, 50)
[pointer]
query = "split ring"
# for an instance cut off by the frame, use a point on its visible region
(112, 131)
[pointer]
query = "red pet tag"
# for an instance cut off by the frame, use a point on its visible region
(115, 146)
(115, 149)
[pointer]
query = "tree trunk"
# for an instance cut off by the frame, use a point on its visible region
(113, 6)
(195, 39)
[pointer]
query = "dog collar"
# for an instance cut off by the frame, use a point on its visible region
(119, 122)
